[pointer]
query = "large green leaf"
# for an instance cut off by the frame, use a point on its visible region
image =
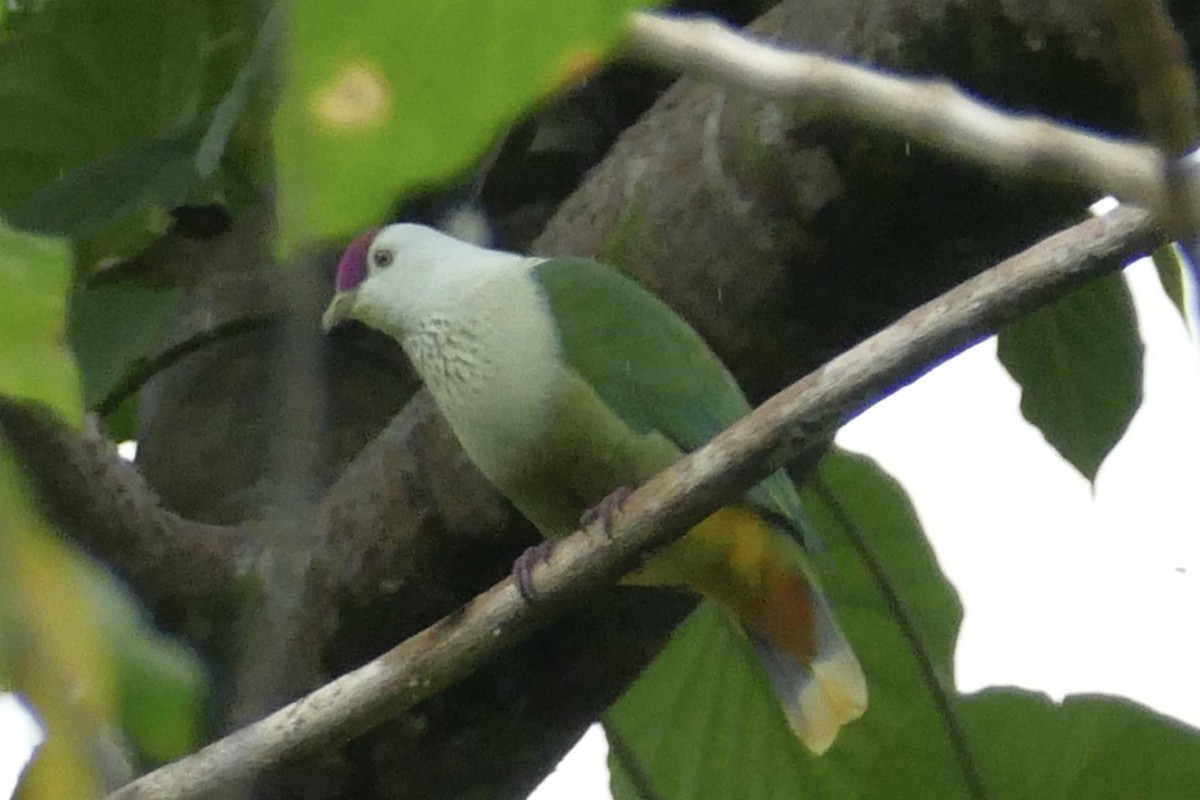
(400, 93)
(35, 362)
(152, 175)
(1023, 745)
(702, 722)
(89, 76)
(106, 139)
(1096, 747)
(1079, 364)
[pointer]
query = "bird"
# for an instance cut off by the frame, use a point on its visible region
(566, 383)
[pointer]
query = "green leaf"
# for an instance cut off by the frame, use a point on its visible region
(155, 174)
(1023, 745)
(106, 139)
(373, 106)
(37, 365)
(113, 326)
(1090, 746)
(85, 77)
(701, 724)
(1079, 364)
(1168, 262)
(702, 721)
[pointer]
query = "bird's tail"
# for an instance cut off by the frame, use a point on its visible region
(758, 573)
(789, 623)
(819, 696)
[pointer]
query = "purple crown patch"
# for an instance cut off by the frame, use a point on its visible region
(352, 269)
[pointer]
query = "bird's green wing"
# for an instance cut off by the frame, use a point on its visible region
(648, 365)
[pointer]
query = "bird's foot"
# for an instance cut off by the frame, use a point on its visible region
(522, 570)
(606, 509)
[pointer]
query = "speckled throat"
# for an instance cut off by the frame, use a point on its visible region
(492, 364)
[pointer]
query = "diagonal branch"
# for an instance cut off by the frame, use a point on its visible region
(788, 424)
(932, 112)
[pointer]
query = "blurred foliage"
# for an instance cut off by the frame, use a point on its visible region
(70, 640)
(161, 684)
(35, 276)
(98, 101)
(115, 113)
(107, 106)
(50, 647)
(77, 646)
(369, 110)
(1079, 364)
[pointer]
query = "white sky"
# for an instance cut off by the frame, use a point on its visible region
(1064, 591)
(20, 735)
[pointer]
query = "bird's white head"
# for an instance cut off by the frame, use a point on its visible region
(392, 277)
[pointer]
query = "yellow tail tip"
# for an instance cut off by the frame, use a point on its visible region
(834, 696)
(821, 697)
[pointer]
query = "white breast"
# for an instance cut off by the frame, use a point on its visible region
(493, 366)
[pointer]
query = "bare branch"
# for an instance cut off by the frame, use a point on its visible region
(791, 422)
(932, 112)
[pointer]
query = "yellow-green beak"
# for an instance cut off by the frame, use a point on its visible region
(339, 309)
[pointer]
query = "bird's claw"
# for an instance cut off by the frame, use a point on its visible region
(522, 570)
(608, 506)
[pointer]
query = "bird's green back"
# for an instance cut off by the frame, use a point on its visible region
(648, 365)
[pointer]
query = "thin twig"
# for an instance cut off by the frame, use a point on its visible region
(144, 370)
(932, 112)
(794, 421)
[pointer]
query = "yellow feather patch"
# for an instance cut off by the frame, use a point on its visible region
(734, 558)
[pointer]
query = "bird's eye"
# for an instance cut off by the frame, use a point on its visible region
(382, 258)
